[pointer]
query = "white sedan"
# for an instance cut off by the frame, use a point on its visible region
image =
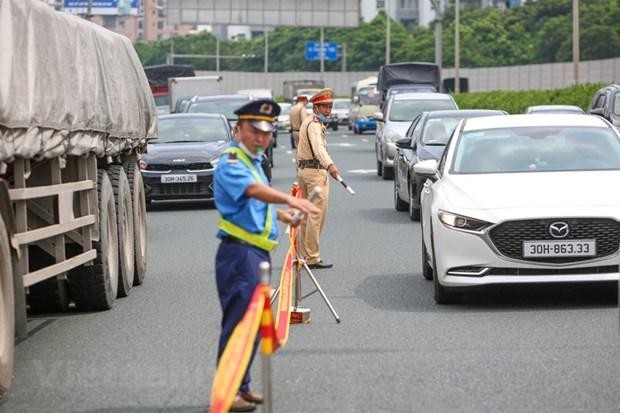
(522, 199)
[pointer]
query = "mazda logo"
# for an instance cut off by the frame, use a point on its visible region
(559, 229)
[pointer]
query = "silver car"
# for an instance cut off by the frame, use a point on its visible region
(398, 113)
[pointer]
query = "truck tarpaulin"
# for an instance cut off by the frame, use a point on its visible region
(79, 89)
(408, 73)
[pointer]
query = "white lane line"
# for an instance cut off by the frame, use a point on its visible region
(364, 139)
(342, 144)
(362, 171)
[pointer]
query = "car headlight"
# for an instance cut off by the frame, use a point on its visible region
(462, 222)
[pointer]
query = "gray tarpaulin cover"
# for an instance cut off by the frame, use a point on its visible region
(68, 86)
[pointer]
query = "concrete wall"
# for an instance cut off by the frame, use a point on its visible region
(525, 77)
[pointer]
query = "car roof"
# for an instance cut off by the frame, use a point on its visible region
(421, 96)
(457, 113)
(222, 97)
(553, 107)
(518, 121)
(192, 115)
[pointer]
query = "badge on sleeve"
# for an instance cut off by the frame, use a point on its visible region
(232, 158)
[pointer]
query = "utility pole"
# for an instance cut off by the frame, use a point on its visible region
(217, 54)
(343, 57)
(322, 53)
(387, 33)
(457, 47)
(576, 40)
(438, 7)
(266, 50)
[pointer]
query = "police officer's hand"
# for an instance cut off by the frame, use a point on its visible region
(303, 205)
(333, 171)
(288, 217)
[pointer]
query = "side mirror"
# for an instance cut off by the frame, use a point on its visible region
(378, 116)
(597, 111)
(403, 143)
(355, 99)
(427, 169)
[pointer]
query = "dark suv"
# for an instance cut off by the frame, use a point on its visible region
(606, 103)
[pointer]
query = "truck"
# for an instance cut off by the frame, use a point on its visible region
(410, 76)
(293, 88)
(158, 76)
(182, 89)
(76, 111)
(364, 103)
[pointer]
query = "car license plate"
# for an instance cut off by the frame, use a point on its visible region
(176, 179)
(568, 248)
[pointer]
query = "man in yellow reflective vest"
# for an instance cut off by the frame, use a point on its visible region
(247, 228)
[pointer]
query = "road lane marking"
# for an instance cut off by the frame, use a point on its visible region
(362, 171)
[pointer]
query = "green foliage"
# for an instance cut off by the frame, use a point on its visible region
(537, 32)
(517, 101)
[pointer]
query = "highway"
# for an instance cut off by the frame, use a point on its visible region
(527, 349)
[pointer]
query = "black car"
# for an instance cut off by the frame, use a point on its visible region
(226, 105)
(426, 138)
(606, 103)
(180, 162)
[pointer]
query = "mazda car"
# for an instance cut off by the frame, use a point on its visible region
(522, 199)
(180, 162)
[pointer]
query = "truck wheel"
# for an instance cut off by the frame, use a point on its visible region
(47, 296)
(7, 315)
(139, 222)
(94, 287)
(124, 224)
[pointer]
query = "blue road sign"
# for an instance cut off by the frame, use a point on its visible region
(330, 51)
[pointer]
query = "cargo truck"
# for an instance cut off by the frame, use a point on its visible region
(182, 89)
(76, 111)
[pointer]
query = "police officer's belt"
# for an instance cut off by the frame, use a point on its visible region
(309, 163)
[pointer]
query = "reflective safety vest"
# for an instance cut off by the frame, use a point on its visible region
(261, 240)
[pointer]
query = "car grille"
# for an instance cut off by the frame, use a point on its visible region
(508, 237)
(179, 167)
(204, 188)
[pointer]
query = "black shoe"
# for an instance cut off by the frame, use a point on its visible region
(319, 265)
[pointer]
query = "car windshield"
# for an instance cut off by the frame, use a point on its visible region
(369, 96)
(225, 107)
(438, 130)
(341, 104)
(191, 130)
(529, 149)
(406, 110)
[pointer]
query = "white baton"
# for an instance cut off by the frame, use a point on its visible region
(347, 187)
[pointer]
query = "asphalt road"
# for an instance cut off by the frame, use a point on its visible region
(543, 349)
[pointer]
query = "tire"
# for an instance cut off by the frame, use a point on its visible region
(7, 313)
(379, 168)
(349, 126)
(427, 269)
(399, 204)
(124, 224)
(356, 130)
(136, 186)
(50, 295)
(335, 127)
(387, 172)
(414, 209)
(95, 287)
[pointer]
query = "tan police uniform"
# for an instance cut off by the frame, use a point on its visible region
(312, 163)
(297, 116)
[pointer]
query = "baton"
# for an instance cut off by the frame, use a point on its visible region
(311, 197)
(347, 187)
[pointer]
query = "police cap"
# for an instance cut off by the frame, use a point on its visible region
(262, 114)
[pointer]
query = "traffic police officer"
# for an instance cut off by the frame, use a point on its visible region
(247, 228)
(297, 116)
(313, 166)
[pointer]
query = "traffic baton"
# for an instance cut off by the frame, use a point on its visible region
(347, 187)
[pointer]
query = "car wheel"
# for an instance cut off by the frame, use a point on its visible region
(379, 168)
(349, 126)
(414, 209)
(441, 294)
(387, 173)
(399, 204)
(427, 270)
(335, 127)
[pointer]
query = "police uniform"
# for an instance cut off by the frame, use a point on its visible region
(312, 164)
(297, 116)
(247, 228)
